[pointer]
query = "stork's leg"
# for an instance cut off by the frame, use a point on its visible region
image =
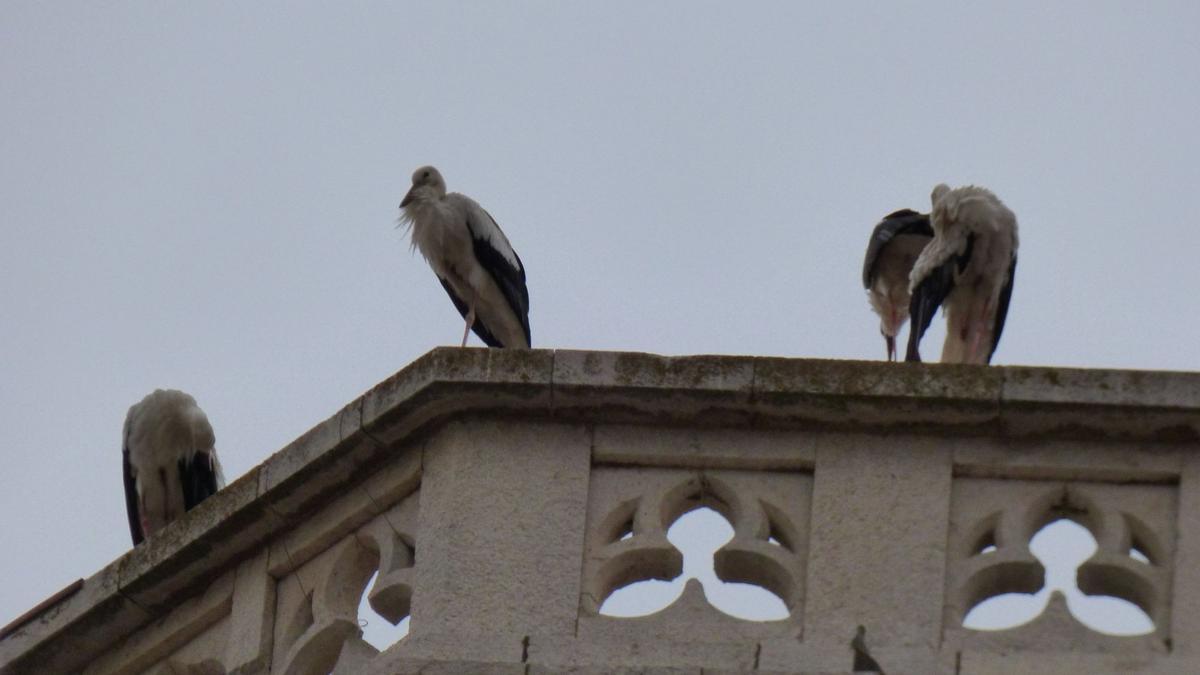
(954, 349)
(978, 331)
(470, 322)
(890, 339)
(976, 355)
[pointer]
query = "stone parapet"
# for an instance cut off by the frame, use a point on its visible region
(499, 497)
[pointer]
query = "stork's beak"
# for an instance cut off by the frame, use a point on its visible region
(891, 346)
(408, 197)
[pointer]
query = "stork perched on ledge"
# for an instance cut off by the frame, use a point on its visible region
(895, 244)
(969, 266)
(170, 460)
(472, 258)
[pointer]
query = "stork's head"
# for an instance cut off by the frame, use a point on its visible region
(940, 190)
(892, 314)
(427, 184)
(889, 326)
(890, 342)
(944, 210)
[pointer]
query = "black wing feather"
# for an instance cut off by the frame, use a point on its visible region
(904, 221)
(198, 477)
(930, 294)
(1002, 307)
(478, 328)
(926, 298)
(510, 279)
(131, 499)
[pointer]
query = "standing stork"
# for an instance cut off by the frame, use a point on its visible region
(170, 460)
(895, 244)
(472, 258)
(969, 266)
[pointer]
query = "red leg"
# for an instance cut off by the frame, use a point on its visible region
(470, 322)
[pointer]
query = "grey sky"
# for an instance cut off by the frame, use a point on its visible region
(203, 196)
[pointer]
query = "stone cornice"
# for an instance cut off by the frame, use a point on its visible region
(633, 388)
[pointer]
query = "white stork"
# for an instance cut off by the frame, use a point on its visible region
(969, 266)
(894, 246)
(170, 462)
(472, 258)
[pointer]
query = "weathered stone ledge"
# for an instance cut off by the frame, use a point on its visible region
(641, 399)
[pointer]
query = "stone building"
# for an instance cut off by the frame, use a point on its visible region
(499, 497)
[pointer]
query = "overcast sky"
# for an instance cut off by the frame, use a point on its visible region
(204, 196)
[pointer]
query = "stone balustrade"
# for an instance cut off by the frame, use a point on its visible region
(500, 497)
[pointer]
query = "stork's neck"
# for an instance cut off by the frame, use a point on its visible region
(422, 210)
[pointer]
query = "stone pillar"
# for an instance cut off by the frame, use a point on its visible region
(503, 509)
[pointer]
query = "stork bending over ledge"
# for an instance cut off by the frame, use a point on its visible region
(969, 266)
(170, 460)
(472, 258)
(893, 249)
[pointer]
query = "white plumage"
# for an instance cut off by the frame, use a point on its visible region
(968, 267)
(472, 258)
(170, 460)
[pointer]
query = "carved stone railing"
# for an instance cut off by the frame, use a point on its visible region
(499, 498)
